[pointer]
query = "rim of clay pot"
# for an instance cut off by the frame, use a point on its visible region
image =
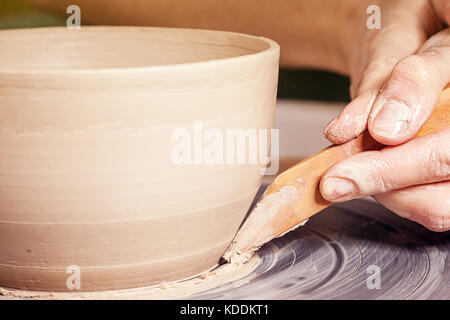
(271, 49)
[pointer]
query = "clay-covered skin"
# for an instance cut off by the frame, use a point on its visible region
(383, 173)
(86, 176)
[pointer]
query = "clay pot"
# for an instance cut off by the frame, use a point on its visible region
(88, 185)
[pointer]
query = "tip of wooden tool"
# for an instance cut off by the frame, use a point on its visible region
(237, 256)
(271, 218)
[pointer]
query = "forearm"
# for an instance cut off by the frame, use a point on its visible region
(311, 33)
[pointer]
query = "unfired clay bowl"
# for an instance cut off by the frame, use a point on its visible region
(86, 177)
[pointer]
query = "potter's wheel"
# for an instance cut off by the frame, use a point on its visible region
(328, 258)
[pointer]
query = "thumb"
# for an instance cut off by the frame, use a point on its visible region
(419, 161)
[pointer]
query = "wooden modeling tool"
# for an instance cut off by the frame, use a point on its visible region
(294, 195)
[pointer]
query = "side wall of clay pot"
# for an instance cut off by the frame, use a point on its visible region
(87, 179)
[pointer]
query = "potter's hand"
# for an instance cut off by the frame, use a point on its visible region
(397, 78)
(397, 72)
(413, 179)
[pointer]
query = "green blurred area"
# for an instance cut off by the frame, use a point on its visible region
(21, 14)
(294, 84)
(313, 85)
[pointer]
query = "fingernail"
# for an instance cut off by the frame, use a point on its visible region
(392, 119)
(328, 128)
(336, 188)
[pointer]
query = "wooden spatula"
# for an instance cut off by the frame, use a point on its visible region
(294, 195)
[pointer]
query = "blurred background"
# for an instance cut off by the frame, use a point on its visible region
(293, 84)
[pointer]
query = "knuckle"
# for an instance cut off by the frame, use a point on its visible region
(437, 40)
(368, 171)
(416, 69)
(377, 66)
(438, 164)
(383, 180)
(381, 63)
(438, 57)
(436, 216)
(378, 171)
(439, 53)
(375, 73)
